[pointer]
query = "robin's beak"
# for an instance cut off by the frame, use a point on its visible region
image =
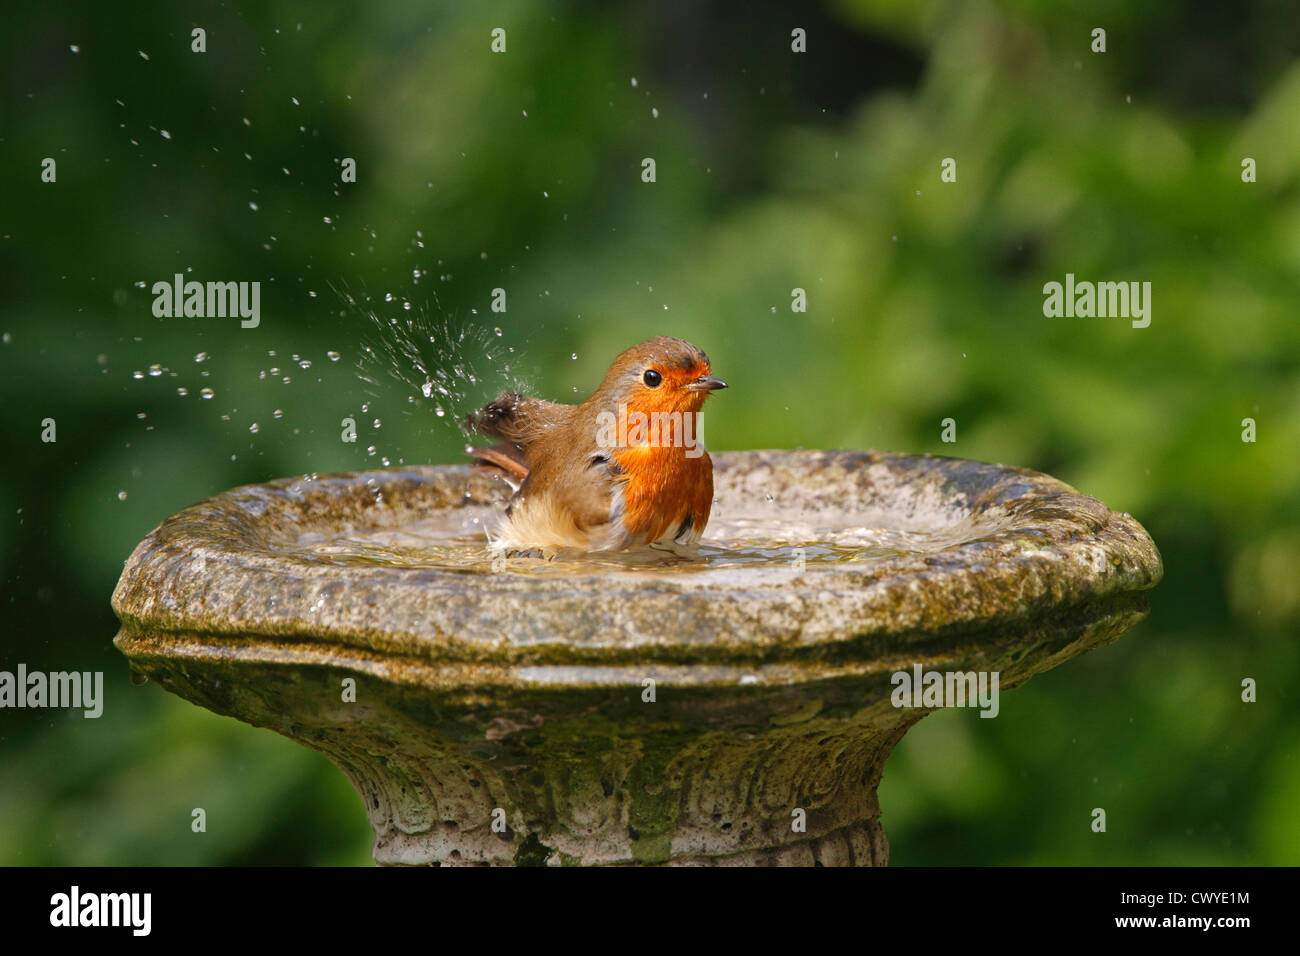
(705, 383)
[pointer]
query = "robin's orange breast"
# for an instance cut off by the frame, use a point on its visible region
(663, 490)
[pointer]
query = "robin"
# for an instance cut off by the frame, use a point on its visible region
(624, 469)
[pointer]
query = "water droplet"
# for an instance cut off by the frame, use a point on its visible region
(137, 374)
(252, 206)
(74, 48)
(497, 330)
(427, 389)
(386, 462)
(275, 370)
(253, 428)
(305, 364)
(165, 134)
(370, 450)
(278, 413)
(378, 423)
(182, 391)
(155, 370)
(206, 393)
(327, 220)
(574, 356)
(333, 356)
(121, 496)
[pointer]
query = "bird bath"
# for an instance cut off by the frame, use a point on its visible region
(734, 709)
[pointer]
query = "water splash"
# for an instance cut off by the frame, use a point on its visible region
(447, 366)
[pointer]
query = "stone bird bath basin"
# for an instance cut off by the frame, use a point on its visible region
(601, 710)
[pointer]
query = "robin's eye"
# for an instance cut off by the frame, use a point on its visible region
(652, 378)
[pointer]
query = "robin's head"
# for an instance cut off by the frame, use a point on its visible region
(661, 375)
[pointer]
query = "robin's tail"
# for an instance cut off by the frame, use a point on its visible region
(506, 457)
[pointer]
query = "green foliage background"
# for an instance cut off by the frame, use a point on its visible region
(774, 170)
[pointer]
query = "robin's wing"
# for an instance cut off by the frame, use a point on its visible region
(518, 422)
(567, 502)
(591, 491)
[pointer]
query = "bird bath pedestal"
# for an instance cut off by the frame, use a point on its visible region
(735, 709)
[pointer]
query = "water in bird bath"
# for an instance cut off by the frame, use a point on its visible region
(457, 542)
